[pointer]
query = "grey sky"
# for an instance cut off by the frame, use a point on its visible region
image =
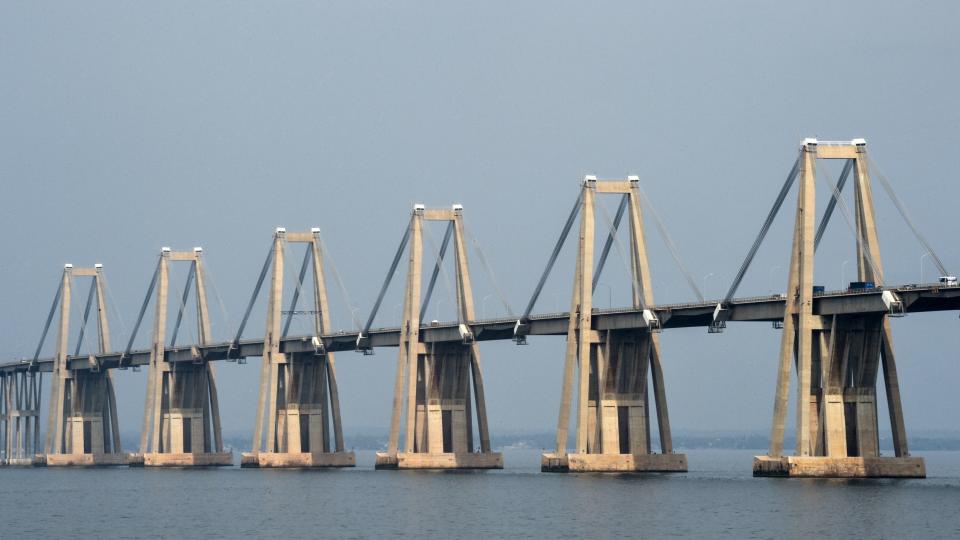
(125, 127)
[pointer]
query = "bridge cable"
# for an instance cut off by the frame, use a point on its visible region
(671, 247)
(446, 275)
(253, 297)
(621, 209)
(634, 278)
(763, 230)
(326, 258)
(183, 304)
(46, 326)
(857, 233)
(143, 309)
(208, 276)
(111, 303)
(553, 257)
(485, 265)
(389, 278)
(841, 182)
(86, 316)
(436, 268)
(296, 291)
(906, 217)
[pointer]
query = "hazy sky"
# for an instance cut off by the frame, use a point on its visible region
(127, 126)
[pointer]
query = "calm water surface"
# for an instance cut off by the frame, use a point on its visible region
(717, 498)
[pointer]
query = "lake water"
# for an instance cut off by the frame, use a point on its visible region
(717, 498)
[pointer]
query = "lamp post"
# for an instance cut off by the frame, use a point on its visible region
(843, 267)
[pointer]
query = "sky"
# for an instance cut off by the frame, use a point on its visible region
(125, 127)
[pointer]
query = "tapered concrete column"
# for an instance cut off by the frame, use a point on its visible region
(613, 404)
(299, 401)
(181, 426)
(82, 427)
(837, 358)
(434, 380)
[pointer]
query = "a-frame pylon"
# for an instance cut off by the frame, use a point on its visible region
(613, 405)
(298, 399)
(434, 379)
(181, 417)
(82, 427)
(837, 357)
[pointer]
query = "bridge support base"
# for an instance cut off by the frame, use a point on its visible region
(265, 460)
(87, 460)
(204, 459)
(445, 460)
(839, 467)
(552, 462)
(36, 461)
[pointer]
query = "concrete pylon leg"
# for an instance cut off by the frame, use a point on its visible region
(613, 402)
(837, 358)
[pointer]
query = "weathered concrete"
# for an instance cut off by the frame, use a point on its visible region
(205, 459)
(553, 462)
(87, 460)
(839, 467)
(449, 460)
(265, 460)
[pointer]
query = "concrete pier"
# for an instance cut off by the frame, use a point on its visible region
(434, 380)
(612, 385)
(299, 399)
(837, 357)
(181, 423)
(82, 423)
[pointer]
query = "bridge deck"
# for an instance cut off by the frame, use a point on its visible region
(915, 299)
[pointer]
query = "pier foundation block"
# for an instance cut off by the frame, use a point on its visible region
(87, 460)
(839, 467)
(267, 460)
(446, 460)
(552, 462)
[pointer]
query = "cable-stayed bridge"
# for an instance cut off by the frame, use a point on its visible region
(836, 342)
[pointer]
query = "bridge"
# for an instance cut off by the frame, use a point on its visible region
(837, 342)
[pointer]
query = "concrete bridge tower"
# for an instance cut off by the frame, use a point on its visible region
(434, 379)
(837, 357)
(298, 397)
(181, 418)
(613, 402)
(82, 428)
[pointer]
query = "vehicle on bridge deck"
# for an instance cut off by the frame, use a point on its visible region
(862, 285)
(948, 280)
